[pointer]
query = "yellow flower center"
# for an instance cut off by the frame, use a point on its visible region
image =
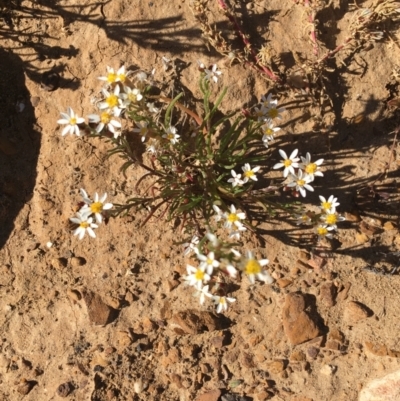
(252, 267)
(222, 300)
(72, 121)
(96, 207)
(105, 117)
(326, 205)
(209, 261)
(122, 77)
(322, 231)
(287, 162)
(84, 224)
(143, 131)
(331, 219)
(112, 100)
(304, 217)
(249, 173)
(273, 113)
(311, 168)
(111, 77)
(301, 183)
(232, 217)
(199, 275)
(268, 131)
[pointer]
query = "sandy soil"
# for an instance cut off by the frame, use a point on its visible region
(109, 319)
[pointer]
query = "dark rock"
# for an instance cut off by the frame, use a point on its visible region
(99, 312)
(65, 389)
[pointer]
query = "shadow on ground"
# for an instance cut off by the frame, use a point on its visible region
(19, 143)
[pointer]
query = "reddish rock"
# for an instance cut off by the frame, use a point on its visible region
(298, 325)
(209, 396)
(99, 312)
(193, 322)
(355, 311)
(327, 294)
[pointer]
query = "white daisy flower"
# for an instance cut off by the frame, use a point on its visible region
(196, 276)
(130, 96)
(71, 120)
(233, 218)
(254, 269)
(289, 163)
(268, 102)
(142, 129)
(191, 246)
(151, 108)
(222, 302)
(105, 120)
(324, 230)
(111, 101)
(331, 203)
(301, 182)
(212, 73)
(331, 218)
(165, 63)
(85, 224)
(95, 206)
(208, 262)
(268, 131)
(249, 173)
(303, 218)
(203, 293)
(219, 214)
(236, 179)
(311, 169)
(171, 135)
(113, 76)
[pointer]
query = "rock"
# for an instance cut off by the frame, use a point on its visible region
(26, 386)
(388, 226)
(210, 396)
(297, 324)
(99, 312)
(355, 311)
(297, 356)
(361, 238)
(176, 379)
(333, 345)
(328, 370)
(313, 352)
(327, 294)
(369, 229)
(344, 291)
(384, 389)
(234, 397)
(277, 366)
(283, 282)
(77, 261)
(254, 340)
(74, 295)
(59, 263)
(65, 389)
(336, 335)
(263, 396)
(193, 322)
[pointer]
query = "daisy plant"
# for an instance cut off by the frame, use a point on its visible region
(206, 169)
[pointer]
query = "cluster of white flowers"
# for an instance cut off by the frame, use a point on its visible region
(267, 113)
(119, 95)
(299, 174)
(249, 174)
(204, 278)
(90, 211)
(325, 222)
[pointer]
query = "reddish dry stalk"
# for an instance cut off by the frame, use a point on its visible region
(243, 36)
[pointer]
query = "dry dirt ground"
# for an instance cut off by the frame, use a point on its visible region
(108, 318)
